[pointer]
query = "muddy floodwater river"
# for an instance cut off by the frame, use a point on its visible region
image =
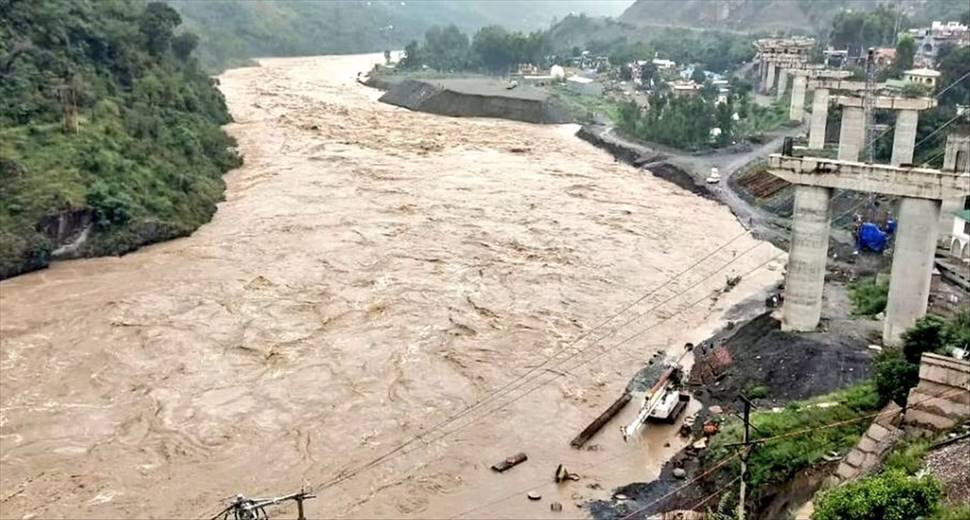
(372, 273)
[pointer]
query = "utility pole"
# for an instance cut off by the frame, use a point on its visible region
(745, 450)
(868, 106)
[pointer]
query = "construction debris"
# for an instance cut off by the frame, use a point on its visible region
(510, 462)
(534, 496)
(562, 474)
(680, 473)
(600, 421)
(555, 506)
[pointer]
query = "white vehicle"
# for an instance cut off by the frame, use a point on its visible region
(662, 403)
(714, 177)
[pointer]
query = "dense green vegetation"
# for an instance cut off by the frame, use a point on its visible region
(234, 31)
(891, 495)
(897, 369)
(778, 460)
(492, 49)
(145, 158)
(859, 30)
(713, 50)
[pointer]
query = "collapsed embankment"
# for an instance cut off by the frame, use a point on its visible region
(476, 98)
(641, 157)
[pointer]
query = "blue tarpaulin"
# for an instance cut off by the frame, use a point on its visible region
(872, 238)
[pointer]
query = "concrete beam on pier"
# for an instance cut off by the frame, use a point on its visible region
(842, 84)
(901, 181)
(817, 71)
(889, 102)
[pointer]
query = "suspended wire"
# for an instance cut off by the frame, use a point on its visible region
(397, 451)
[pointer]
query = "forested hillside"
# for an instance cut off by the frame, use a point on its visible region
(233, 31)
(110, 132)
(804, 16)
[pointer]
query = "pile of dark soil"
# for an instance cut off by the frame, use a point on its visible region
(779, 367)
(476, 98)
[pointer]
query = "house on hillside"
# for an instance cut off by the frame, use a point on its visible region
(684, 88)
(930, 39)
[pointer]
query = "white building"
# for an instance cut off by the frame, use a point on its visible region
(926, 77)
(960, 244)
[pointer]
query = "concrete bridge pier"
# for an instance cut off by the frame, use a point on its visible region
(909, 279)
(851, 134)
(921, 191)
(904, 137)
(769, 78)
(796, 110)
(820, 115)
(782, 83)
(808, 254)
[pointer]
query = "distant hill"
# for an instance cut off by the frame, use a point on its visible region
(803, 16)
(233, 31)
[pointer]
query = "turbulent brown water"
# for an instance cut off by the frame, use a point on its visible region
(372, 272)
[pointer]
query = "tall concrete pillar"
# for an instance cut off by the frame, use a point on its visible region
(820, 116)
(806, 258)
(851, 134)
(904, 137)
(797, 110)
(782, 83)
(909, 280)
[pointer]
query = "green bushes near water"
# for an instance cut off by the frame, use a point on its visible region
(778, 460)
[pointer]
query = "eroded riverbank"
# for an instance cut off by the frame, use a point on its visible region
(372, 272)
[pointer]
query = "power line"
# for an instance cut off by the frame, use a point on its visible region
(504, 390)
(687, 484)
(790, 434)
(937, 96)
(388, 456)
(714, 494)
(392, 454)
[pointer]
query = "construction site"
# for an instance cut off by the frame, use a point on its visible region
(443, 299)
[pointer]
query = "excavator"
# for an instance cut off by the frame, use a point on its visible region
(664, 402)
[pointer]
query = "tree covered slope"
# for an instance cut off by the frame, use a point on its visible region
(803, 16)
(233, 31)
(139, 157)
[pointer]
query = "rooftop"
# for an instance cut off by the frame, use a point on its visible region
(928, 73)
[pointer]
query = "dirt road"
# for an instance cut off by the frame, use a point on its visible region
(372, 272)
